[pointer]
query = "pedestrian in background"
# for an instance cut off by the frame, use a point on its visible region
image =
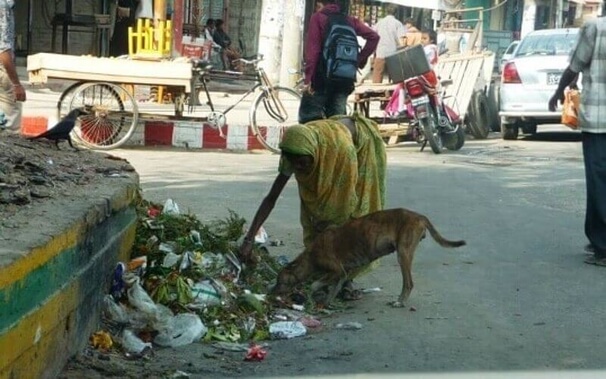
(364, 71)
(413, 35)
(11, 89)
(589, 59)
(393, 35)
(321, 99)
(125, 18)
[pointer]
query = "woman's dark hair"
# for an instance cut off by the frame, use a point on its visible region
(218, 23)
(210, 22)
(433, 36)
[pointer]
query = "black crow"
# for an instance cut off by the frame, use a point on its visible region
(62, 130)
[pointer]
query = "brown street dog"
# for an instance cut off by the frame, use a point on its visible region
(338, 253)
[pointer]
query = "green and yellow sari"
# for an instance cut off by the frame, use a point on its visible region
(348, 177)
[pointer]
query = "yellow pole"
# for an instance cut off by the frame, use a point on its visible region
(159, 10)
(159, 15)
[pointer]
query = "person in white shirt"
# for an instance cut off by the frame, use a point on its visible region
(145, 9)
(364, 71)
(392, 35)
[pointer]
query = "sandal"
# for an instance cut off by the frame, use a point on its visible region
(596, 261)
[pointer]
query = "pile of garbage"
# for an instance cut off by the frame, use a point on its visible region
(185, 283)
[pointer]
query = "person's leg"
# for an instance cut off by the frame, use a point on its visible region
(336, 102)
(312, 107)
(594, 152)
(225, 60)
(364, 72)
(377, 70)
(8, 104)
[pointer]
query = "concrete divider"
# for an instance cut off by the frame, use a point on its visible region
(53, 277)
(193, 135)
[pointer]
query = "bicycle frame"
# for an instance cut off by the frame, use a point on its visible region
(261, 81)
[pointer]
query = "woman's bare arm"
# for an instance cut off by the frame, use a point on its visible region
(267, 205)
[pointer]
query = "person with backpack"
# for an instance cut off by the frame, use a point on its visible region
(332, 59)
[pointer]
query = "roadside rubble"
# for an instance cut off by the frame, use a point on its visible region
(185, 284)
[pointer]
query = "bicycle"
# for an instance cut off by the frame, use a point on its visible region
(114, 113)
(279, 103)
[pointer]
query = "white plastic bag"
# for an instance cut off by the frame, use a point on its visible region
(181, 330)
(171, 260)
(114, 311)
(170, 207)
(261, 236)
(204, 294)
(140, 300)
(133, 344)
(287, 329)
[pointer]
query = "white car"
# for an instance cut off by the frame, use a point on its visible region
(508, 54)
(530, 78)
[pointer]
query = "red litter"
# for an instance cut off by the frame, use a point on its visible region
(255, 353)
(153, 212)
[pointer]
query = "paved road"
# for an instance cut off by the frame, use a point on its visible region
(518, 297)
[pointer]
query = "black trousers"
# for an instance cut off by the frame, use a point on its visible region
(324, 103)
(594, 152)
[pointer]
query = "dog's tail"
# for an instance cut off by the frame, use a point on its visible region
(438, 237)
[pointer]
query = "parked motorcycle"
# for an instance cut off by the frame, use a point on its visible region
(434, 122)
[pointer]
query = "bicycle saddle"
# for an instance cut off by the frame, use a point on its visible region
(202, 64)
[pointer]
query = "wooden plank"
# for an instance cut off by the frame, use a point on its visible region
(42, 76)
(44, 66)
(374, 87)
(464, 70)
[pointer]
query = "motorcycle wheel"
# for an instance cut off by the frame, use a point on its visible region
(455, 141)
(429, 125)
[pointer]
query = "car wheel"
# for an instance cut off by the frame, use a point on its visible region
(509, 131)
(529, 128)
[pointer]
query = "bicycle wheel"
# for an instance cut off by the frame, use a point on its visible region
(65, 100)
(112, 119)
(269, 117)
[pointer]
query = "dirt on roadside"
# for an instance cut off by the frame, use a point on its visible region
(33, 173)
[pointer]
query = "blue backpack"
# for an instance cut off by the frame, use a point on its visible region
(340, 51)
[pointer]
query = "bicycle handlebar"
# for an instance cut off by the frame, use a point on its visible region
(252, 62)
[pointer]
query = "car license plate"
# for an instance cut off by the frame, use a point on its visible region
(553, 78)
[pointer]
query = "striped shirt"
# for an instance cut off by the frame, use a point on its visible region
(589, 58)
(7, 25)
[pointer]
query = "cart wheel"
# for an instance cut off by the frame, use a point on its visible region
(267, 122)
(65, 99)
(112, 118)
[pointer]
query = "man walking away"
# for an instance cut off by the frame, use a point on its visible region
(11, 90)
(325, 94)
(589, 58)
(393, 35)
